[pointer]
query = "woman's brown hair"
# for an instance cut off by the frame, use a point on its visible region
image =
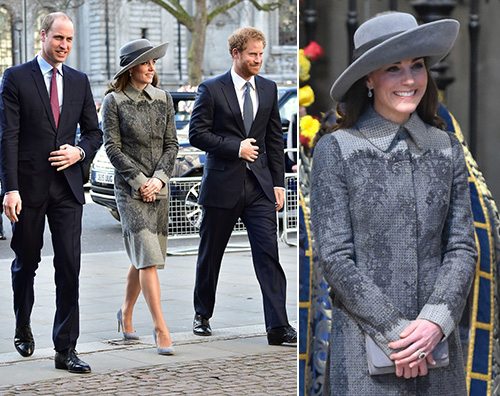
(121, 82)
(356, 102)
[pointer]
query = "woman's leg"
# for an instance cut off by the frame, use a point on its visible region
(132, 291)
(150, 285)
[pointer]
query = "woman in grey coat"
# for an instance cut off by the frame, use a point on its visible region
(392, 219)
(141, 143)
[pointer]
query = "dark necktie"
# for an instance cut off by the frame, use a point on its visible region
(247, 109)
(54, 97)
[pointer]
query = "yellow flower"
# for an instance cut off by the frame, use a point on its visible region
(304, 66)
(309, 126)
(306, 96)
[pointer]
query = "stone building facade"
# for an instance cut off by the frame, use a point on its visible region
(102, 26)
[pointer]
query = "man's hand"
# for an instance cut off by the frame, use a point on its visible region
(12, 206)
(66, 156)
(248, 151)
(279, 193)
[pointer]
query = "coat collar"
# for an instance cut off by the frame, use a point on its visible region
(134, 93)
(46, 67)
(239, 82)
(381, 132)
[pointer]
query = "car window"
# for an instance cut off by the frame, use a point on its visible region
(184, 110)
(289, 108)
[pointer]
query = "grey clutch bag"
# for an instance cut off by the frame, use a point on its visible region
(379, 362)
(163, 194)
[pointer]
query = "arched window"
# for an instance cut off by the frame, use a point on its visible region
(37, 44)
(5, 40)
(288, 23)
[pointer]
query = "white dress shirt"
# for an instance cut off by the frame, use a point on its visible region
(46, 69)
(240, 87)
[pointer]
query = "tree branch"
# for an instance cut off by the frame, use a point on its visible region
(221, 9)
(268, 6)
(261, 7)
(178, 12)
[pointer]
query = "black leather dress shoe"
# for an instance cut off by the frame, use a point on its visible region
(23, 341)
(68, 360)
(201, 326)
(282, 335)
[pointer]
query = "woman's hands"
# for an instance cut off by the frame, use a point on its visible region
(419, 340)
(149, 189)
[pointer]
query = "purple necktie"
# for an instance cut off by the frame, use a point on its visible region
(54, 97)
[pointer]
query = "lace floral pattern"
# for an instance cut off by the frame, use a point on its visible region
(141, 142)
(390, 210)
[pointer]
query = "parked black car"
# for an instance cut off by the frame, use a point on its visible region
(185, 184)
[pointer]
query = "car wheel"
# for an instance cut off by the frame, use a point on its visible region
(192, 209)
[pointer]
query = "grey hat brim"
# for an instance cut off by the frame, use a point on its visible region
(154, 53)
(432, 41)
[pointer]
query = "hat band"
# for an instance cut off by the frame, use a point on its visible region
(126, 59)
(372, 43)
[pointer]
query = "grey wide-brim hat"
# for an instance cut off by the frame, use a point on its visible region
(391, 38)
(137, 52)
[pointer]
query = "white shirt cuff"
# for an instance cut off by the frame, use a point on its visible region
(82, 153)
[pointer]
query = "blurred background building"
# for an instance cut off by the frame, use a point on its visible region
(469, 75)
(103, 26)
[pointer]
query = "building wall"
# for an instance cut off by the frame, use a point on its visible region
(97, 44)
(129, 18)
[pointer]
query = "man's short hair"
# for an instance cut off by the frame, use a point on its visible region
(239, 38)
(50, 18)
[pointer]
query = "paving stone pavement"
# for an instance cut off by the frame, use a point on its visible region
(260, 374)
(235, 360)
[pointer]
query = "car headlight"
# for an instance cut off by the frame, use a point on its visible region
(101, 161)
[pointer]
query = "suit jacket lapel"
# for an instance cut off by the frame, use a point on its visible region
(42, 91)
(263, 99)
(232, 101)
(67, 93)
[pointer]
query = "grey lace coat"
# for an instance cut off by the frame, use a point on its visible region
(395, 238)
(141, 143)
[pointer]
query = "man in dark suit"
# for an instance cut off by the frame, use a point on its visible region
(41, 104)
(236, 121)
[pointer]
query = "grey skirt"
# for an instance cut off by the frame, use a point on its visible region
(144, 227)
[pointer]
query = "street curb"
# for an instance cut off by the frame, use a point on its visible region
(146, 342)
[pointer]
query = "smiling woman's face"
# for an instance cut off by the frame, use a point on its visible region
(142, 74)
(398, 88)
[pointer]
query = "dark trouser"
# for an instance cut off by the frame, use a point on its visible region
(259, 216)
(1, 212)
(64, 215)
